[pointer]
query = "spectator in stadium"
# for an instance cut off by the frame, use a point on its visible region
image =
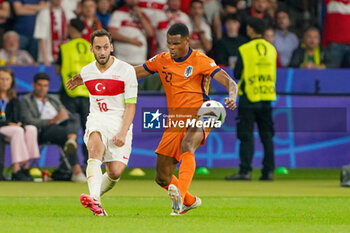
(73, 56)
(258, 9)
(285, 41)
(22, 138)
(310, 54)
(269, 36)
(227, 47)
(228, 8)
(53, 121)
(272, 8)
(72, 8)
(152, 9)
(130, 29)
(200, 37)
(172, 15)
(88, 15)
(4, 15)
(51, 32)
(255, 106)
(103, 13)
(305, 14)
(10, 54)
(336, 33)
(212, 9)
(24, 22)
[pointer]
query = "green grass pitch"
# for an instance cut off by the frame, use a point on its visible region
(303, 201)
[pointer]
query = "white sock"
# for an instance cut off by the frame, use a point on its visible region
(107, 183)
(94, 177)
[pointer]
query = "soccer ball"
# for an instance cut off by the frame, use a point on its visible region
(212, 110)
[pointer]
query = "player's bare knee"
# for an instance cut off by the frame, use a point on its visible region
(114, 174)
(162, 180)
(187, 146)
(95, 153)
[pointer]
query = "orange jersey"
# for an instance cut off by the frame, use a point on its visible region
(186, 81)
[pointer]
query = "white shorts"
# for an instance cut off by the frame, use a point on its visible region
(108, 128)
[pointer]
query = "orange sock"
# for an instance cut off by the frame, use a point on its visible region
(186, 172)
(189, 198)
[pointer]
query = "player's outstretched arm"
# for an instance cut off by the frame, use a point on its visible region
(141, 72)
(74, 82)
(119, 139)
(224, 79)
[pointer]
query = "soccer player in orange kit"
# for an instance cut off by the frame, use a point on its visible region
(186, 75)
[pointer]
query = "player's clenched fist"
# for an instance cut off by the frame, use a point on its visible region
(119, 140)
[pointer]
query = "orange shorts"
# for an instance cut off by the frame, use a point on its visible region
(170, 145)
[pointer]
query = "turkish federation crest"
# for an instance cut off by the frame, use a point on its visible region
(188, 71)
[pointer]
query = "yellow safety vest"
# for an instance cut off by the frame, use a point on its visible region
(75, 54)
(259, 70)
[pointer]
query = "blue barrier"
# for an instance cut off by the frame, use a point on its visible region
(293, 149)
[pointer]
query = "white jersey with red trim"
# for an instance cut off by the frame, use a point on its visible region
(165, 21)
(108, 90)
(128, 25)
(194, 36)
(153, 9)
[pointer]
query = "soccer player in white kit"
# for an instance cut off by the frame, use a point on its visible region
(112, 85)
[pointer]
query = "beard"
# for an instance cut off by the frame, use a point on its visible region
(99, 61)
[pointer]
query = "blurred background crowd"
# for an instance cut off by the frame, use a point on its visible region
(306, 33)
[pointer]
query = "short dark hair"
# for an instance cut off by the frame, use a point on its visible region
(233, 17)
(258, 25)
(78, 24)
(282, 9)
(178, 28)
(311, 28)
(232, 3)
(41, 76)
(194, 1)
(100, 33)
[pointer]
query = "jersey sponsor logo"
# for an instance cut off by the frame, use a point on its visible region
(188, 71)
(212, 64)
(124, 157)
(105, 87)
(99, 100)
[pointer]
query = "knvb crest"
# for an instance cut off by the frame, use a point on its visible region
(188, 71)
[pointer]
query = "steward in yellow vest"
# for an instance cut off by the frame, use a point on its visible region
(258, 79)
(256, 69)
(74, 55)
